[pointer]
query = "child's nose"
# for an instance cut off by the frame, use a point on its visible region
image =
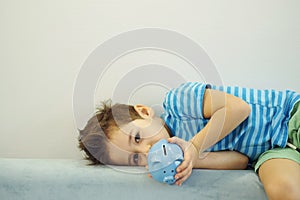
(148, 146)
(145, 148)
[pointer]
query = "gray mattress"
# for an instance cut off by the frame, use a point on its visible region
(73, 179)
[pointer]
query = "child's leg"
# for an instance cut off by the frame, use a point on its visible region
(280, 178)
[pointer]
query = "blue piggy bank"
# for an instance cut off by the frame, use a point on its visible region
(163, 159)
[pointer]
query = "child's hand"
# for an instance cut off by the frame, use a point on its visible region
(184, 170)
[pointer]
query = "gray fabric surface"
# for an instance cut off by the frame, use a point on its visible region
(73, 179)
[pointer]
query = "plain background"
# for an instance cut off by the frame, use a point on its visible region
(43, 45)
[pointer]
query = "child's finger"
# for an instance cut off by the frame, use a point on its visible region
(180, 176)
(186, 167)
(183, 179)
(178, 141)
(182, 173)
(175, 140)
(172, 140)
(149, 175)
(183, 166)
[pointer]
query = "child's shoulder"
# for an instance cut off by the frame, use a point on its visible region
(191, 85)
(186, 93)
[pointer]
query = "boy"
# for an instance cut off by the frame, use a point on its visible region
(227, 122)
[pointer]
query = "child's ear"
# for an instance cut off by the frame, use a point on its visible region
(144, 111)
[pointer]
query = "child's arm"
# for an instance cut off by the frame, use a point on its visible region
(225, 112)
(226, 160)
(229, 160)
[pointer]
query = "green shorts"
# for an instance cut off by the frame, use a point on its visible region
(294, 138)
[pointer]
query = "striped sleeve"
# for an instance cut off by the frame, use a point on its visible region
(186, 101)
(264, 128)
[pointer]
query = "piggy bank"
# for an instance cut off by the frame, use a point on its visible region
(163, 159)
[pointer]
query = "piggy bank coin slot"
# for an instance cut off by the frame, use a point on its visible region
(164, 149)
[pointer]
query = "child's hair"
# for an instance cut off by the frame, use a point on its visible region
(93, 139)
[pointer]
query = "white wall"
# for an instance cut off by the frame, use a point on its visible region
(43, 45)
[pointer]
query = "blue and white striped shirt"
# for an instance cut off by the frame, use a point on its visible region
(265, 128)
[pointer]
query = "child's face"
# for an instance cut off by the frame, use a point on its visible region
(131, 143)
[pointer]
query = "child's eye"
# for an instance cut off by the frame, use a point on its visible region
(137, 138)
(136, 159)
